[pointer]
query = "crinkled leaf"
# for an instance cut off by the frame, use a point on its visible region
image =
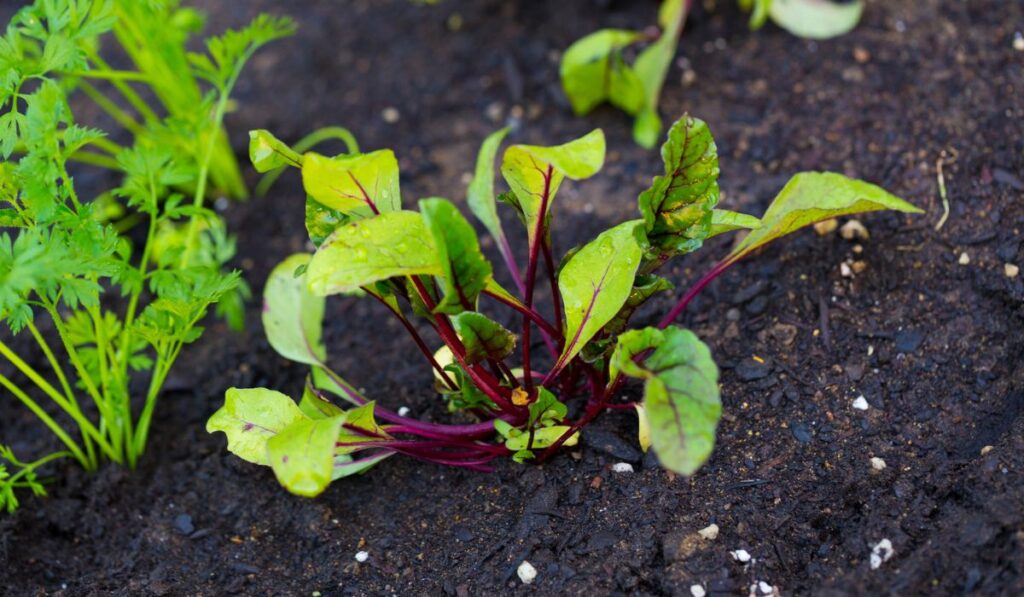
(465, 270)
(267, 152)
(480, 193)
(322, 221)
(593, 70)
(811, 197)
(483, 337)
(816, 19)
(367, 251)
(677, 208)
(534, 174)
(353, 184)
(595, 283)
(302, 454)
(681, 396)
(723, 220)
(292, 315)
(250, 418)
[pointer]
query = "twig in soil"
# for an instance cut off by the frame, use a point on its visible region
(747, 483)
(823, 323)
(942, 186)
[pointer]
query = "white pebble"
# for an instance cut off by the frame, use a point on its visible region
(766, 588)
(709, 532)
(1018, 41)
(390, 115)
(861, 403)
(854, 229)
(362, 556)
(403, 411)
(740, 555)
(881, 552)
(697, 591)
(965, 259)
(845, 271)
(1011, 270)
(526, 572)
(622, 467)
(877, 463)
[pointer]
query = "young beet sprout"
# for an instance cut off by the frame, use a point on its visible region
(428, 265)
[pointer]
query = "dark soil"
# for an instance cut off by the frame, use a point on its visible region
(935, 346)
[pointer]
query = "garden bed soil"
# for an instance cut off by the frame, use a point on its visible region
(932, 340)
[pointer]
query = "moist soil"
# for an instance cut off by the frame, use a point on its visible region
(927, 329)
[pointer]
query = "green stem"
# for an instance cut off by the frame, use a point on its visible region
(107, 75)
(87, 157)
(25, 468)
(47, 420)
(129, 94)
(59, 372)
(122, 117)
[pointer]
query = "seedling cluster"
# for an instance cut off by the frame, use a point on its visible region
(428, 265)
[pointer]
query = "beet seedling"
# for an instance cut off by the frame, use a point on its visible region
(429, 265)
(594, 69)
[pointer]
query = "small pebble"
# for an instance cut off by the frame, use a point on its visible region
(854, 229)
(861, 403)
(861, 55)
(1010, 270)
(877, 463)
(766, 588)
(390, 115)
(403, 411)
(859, 267)
(1018, 41)
(697, 591)
(826, 227)
(362, 556)
(741, 555)
(965, 259)
(622, 467)
(709, 532)
(881, 552)
(526, 572)
(183, 523)
(845, 271)
(986, 450)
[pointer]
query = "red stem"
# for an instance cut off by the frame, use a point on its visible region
(531, 273)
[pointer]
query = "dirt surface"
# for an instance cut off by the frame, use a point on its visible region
(932, 344)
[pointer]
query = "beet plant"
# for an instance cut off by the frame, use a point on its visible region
(516, 388)
(595, 68)
(116, 315)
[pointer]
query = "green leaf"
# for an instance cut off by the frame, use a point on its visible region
(315, 406)
(302, 454)
(366, 251)
(681, 396)
(349, 467)
(546, 408)
(292, 316)
(652, 67)
(267, 152)
(811, 197)
(480, 193)
(534, 174)
(760, 11)
(356, 184)
(677, 208)
(322, 221)
(723, 220)
(465, 270)
(360, 428)
(595, 283)
(593, 71)
(250, 418)
(483, 337)
(644, 287)
(816, 19)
